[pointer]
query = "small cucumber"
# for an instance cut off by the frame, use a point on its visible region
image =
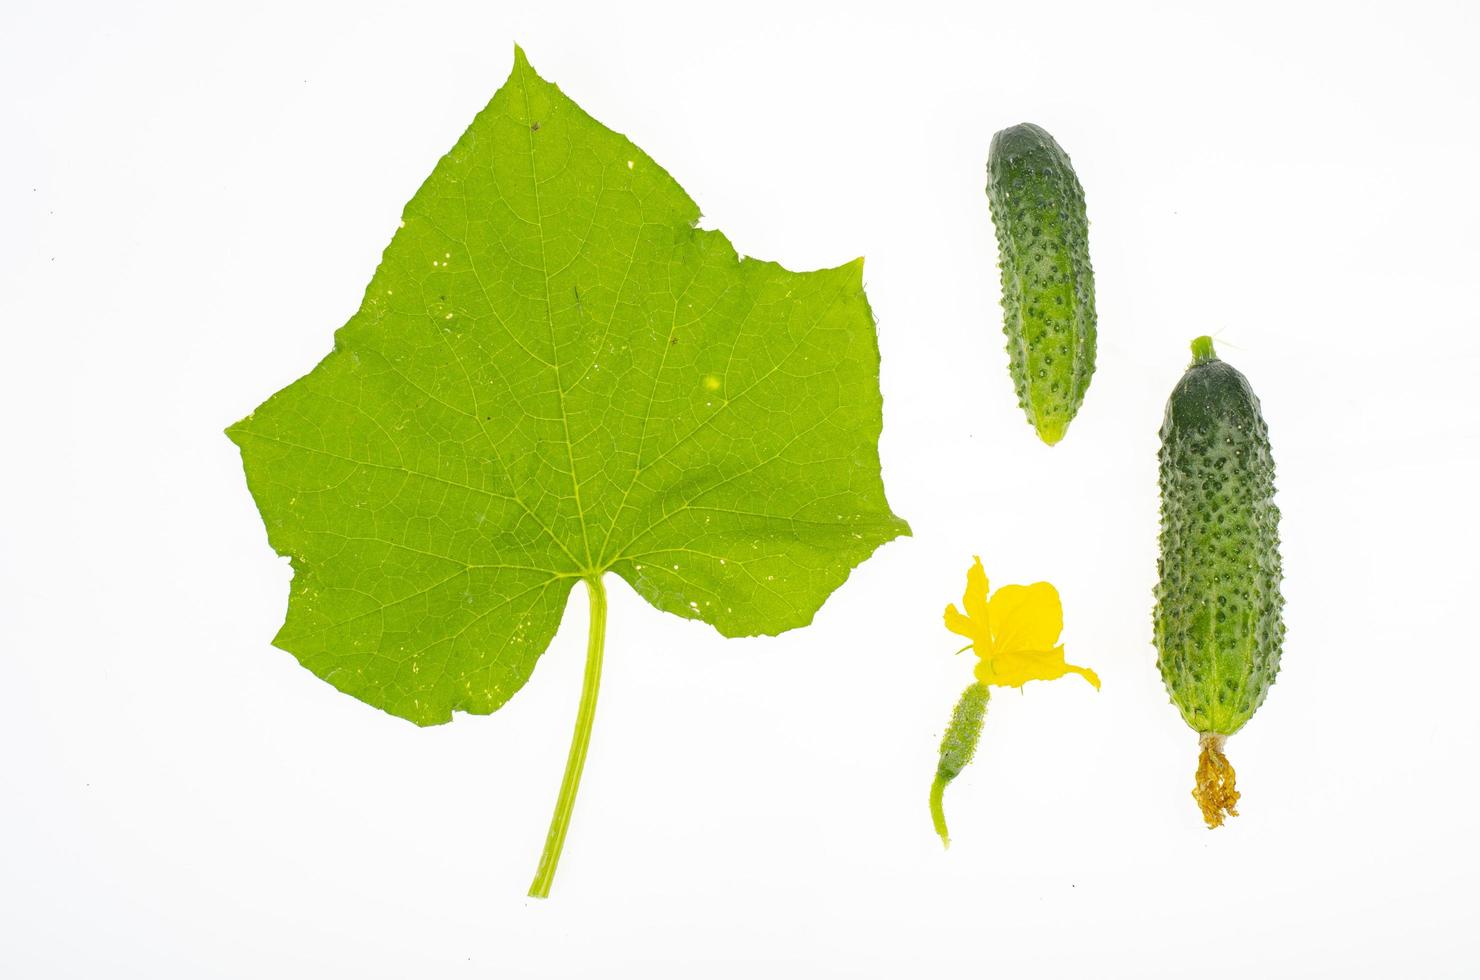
(957, 749)
(1048, 287)
(1218, 620)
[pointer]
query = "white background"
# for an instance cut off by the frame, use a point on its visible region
(193, 199)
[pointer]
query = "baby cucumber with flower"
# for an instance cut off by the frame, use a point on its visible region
(1014, 633)
(1048, 287)
(1218, 620)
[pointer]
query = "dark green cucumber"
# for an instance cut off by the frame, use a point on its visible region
(1048, 287)
(1218, 620)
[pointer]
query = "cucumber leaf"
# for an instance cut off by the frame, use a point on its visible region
(554, 374)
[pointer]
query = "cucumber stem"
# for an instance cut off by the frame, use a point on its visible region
(937, 807)
(1202, 350)
(579, 741)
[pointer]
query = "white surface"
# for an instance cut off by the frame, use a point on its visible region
(194, 199)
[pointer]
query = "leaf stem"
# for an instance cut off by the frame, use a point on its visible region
(579, 740)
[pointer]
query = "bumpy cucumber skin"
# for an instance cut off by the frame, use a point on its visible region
(1048, 287)
(1218, 620)
(958, 745)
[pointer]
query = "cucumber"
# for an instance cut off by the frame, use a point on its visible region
(1218, 621)
(957, 749)
(1048, 287)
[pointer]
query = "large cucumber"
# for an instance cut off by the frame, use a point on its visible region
(1048, 287)
(1218, 617)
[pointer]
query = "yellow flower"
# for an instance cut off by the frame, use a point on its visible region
(1015, 633)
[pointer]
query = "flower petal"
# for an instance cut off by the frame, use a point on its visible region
(975, 599)
(962, 626)
(1026, 618)
(1018, 667)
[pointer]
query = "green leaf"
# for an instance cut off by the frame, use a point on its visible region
(553, 374)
